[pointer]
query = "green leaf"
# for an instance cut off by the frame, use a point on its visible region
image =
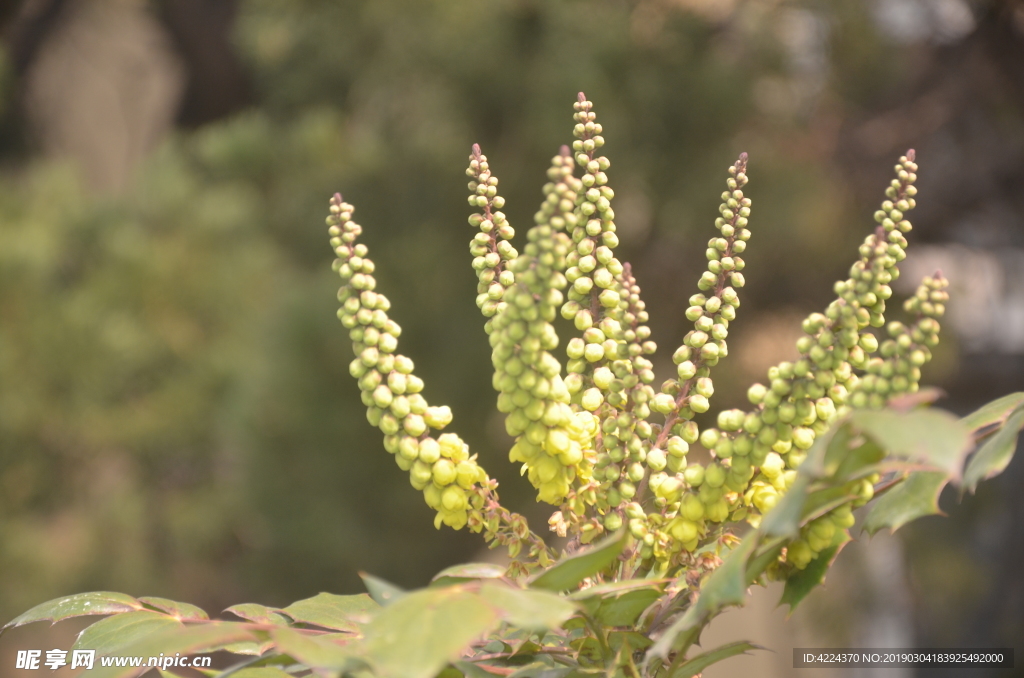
(695, 665)
(997, 451)
(180, 611)
(313, 651)
(466, 572)
(260, 614)
(79, 605)
(471, 670)
(381, 591)
(802, 582)
(934, 437)
(195, 639)
(568, 573)
(531, 610)
(726, 586)
(112, 633)
(418, 634)
(915, 497)
(620, 603)
(330, 611)
(993, 412)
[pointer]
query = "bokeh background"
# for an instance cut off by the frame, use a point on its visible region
(176, 415)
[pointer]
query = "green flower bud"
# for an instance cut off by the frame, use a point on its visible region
(656, 460)
(717, 512)
(698, 403)
(799, 554)
(694, 475)
(773, 465)
(683, 530)
(691, 507)
(686, 370)
(714, 475)
(438, 417)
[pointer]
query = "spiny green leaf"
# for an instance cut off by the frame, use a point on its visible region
(180, 611)
(802, 582)
(383, 592)
(260, 614)
(418, 634)
(997, 451)
(568, 573)
(625, 608)
(98, 602)
(931, 436)
(468, 571)
(993, 412)
(697, 664)
(532, 610)
(313, 651)
(725, 586)
(620, 603)
(112, 633)
(342, 613)
(915, 497)
(194, 639)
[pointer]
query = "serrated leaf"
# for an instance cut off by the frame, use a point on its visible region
(180, 611)
(79, 605)
(915, 497)
(934, 437)
(619, 603)
(526, 609)
(637, 641)
(260, 614)
(625, 608)
(112, 633)
(330, 611)
(466, 572)
(195, 639)
(418, 634)
(802, 582)
(568, 573)
(993, 412)
(384, 592)
(725, 586)
(313, 651)
(695, 665)
(995, 453)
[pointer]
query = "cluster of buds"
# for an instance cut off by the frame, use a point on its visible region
(440, 467)
(589, 441)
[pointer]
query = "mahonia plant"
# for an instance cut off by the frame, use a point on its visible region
(844, 424)
(601, 441)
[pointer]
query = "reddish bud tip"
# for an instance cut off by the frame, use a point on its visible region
(336, 199)
(911, 155)
(565, 150)
(476, 150)
(582, 97)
